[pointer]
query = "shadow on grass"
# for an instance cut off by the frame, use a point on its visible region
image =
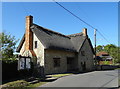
(14, 79)
(29, 79)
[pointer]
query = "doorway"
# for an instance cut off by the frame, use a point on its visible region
(70, 64)
(83, 65)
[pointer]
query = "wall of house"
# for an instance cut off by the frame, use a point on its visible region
(22, 49)
(49, 63)
(24, 52)
(39, 51)
(86, 58)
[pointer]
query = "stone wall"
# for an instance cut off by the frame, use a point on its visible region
(86, 58)
(50, 54)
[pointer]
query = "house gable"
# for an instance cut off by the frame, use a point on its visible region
(39, 50)
(20, 44)
(22, 50)
(85, 55)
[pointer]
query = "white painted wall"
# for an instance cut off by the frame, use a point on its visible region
(22, 49)
(39, 51)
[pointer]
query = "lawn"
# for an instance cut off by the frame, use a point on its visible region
(23, 84)
(60, 75)
(32, 86)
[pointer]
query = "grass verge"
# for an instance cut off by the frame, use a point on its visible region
(21, 84)
(60, 75)
(32, 86)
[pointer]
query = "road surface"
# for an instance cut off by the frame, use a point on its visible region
(107, 78)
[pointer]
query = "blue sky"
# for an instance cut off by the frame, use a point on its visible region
(101, 15)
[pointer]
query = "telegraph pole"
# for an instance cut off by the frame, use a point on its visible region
(95, 46)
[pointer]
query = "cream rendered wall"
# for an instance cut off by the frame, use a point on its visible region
(88, 58)
(39, 51)
(23, 52)
(22, 49)
(50, 54)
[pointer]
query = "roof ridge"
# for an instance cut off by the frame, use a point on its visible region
(52, 31)
(76, 34)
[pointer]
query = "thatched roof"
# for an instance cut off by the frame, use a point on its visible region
(54, 40)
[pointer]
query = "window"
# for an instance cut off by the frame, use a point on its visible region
(35, 44)
(56, 62)
(24, 63)
(83, 53)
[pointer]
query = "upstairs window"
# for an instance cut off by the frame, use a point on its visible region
(83, 53)
(56, 62)
(35, 44)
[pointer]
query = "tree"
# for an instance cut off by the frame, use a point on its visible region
(99, 48)
(112, 49)
(7, 46)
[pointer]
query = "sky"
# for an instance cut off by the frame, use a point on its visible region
(101, 15)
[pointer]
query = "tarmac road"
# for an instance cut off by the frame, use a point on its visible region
(107, 78)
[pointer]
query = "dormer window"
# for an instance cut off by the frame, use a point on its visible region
(35, 44)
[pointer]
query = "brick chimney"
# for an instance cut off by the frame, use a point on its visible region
(28, 33)
(85, 32)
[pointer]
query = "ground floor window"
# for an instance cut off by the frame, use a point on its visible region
(56, 62)
(24, 63)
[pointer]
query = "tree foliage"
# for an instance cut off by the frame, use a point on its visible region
(7, 46)
(99, 48)
(112, 49)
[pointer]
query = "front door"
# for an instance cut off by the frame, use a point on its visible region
(83, 65)
(70, 64)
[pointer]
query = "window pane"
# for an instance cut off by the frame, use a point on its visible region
(35, 44)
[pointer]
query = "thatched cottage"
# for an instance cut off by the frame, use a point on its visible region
(55, 52)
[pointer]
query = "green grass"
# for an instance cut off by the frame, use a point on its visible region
(21, 84)
(60, 75)
(31, 86)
